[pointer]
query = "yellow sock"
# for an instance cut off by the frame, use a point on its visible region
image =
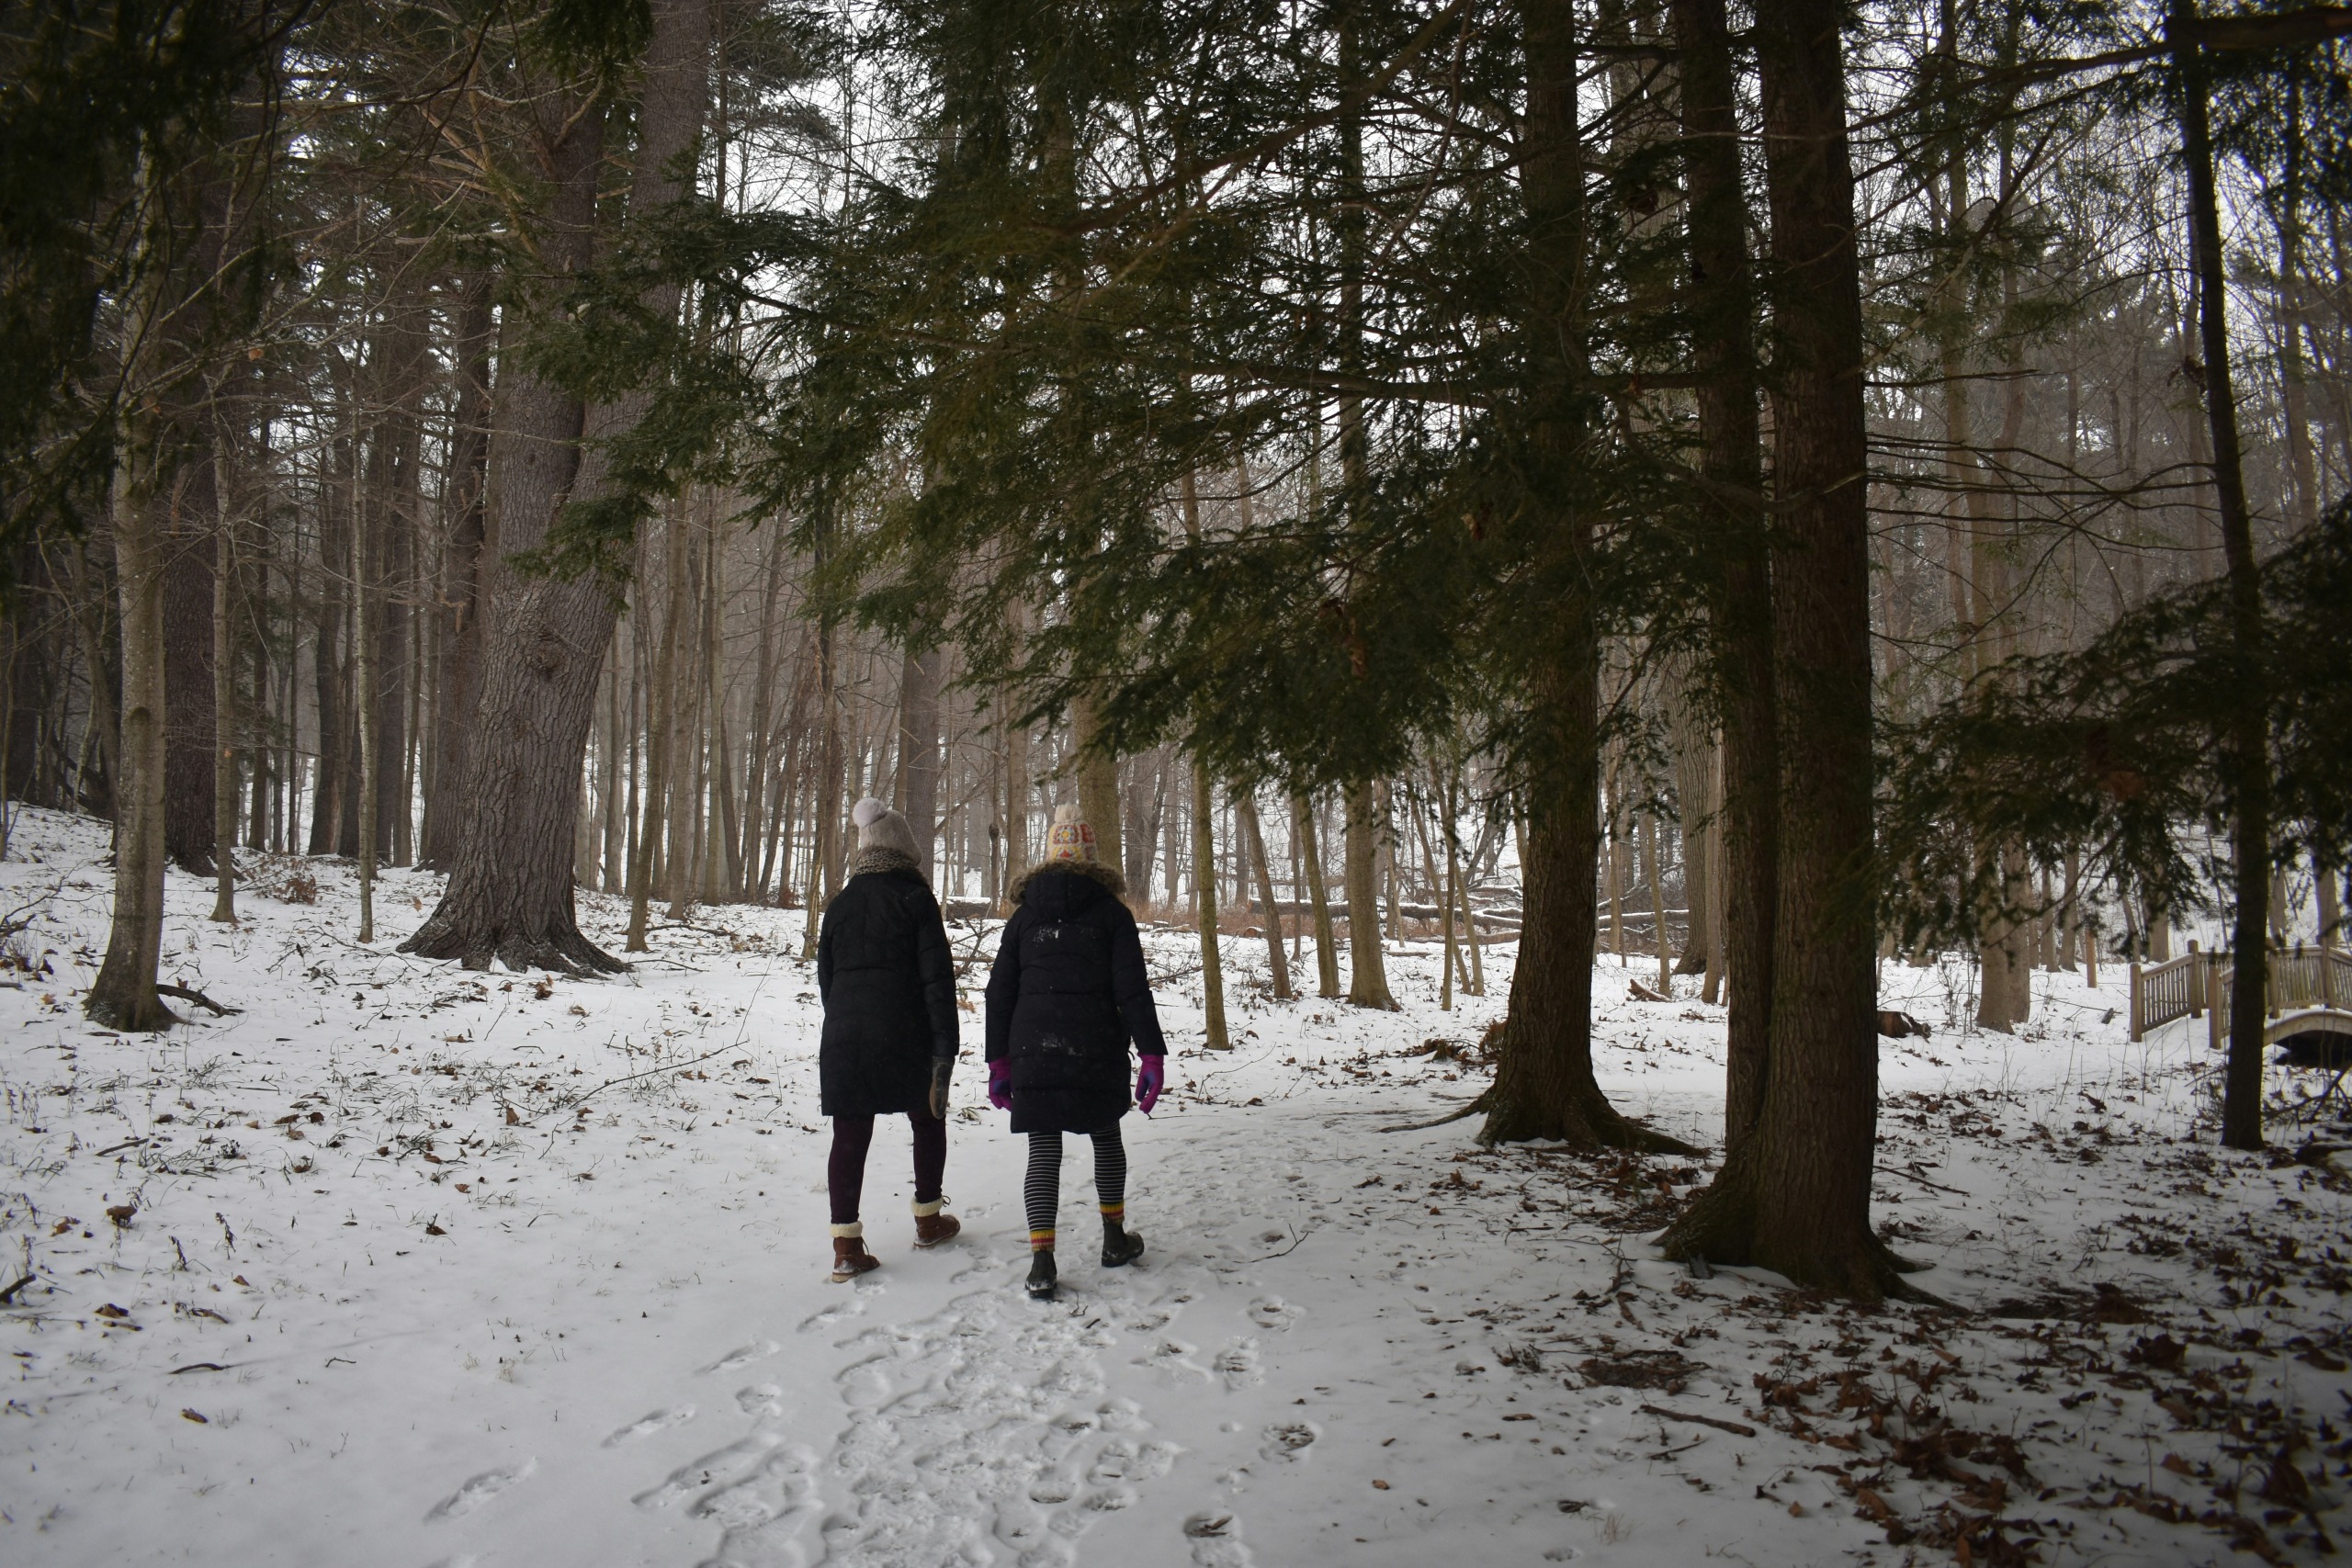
(1040, 1241)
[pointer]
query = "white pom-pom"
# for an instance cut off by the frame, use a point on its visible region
(1066, 814)
(866, 811)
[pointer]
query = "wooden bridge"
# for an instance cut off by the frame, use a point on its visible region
(2309, 992)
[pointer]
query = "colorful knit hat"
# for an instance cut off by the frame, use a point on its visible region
(1071, 839)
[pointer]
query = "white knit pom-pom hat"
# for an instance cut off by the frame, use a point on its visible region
(880, 828)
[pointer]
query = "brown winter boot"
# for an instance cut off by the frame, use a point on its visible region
(933, 1225)
(850, 1257)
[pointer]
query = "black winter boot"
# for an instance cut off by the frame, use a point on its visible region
(1043, 1280)
(1121, 1246)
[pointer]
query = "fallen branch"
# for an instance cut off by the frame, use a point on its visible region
(1736, 1428)
(8, 1295)
(190, 994)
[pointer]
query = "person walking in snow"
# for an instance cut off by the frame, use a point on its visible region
(1068, 995)
(888, 982)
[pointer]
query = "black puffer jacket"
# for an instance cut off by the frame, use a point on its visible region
(888, 985)
(1066, 996)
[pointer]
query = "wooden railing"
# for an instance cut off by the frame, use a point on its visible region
(2299, 978)
(2197, 984)
(2163, 992)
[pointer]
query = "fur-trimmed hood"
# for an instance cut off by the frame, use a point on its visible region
(882, 859)
(1108, 876)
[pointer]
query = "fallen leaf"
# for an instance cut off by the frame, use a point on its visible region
(120, 1214)
(434, 1230)
(111, 1310)
(1382, 1486)
(199, 1419)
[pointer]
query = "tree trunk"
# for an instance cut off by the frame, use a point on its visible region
(224, 683)
(1795, 1195)
(510, 892)
(919, 759)
(188, 509)
(2248, 741)
(458, 648)
(123, 997)
(1367, 966)
(363, 701)
(1245, 811)
(1205, 906)
(1326, 946)
(1731, 467)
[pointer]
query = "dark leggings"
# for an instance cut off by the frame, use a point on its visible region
(1043, 1189)
(845, 1172)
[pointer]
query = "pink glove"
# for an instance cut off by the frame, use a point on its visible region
(1151, 1078)
(1000, 1083)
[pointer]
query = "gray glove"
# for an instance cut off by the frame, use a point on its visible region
(939, 1068)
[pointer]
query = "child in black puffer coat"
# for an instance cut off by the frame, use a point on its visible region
(1068, 995)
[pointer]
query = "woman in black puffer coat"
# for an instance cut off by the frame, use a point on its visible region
(889, 985)
(1068, 995)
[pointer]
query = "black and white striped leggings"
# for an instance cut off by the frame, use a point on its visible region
(1043, 1189)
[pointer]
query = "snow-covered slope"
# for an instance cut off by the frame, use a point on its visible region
(401, 1265)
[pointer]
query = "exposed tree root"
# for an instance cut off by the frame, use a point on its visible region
(564, 949)
(1483, 1102)
(1720, 1226)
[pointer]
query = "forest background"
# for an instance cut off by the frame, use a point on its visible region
(1794, 492)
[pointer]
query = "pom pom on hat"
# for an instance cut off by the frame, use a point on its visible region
(880, 828)
(1071, 839)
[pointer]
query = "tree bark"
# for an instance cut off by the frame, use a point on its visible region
(1204, 905)
(1731, 470)
(1245, 811)
(510, 891)
(919, 759)
(123, 997)
(1367, 965)
(1795, 1195)
(1327, 946)
(2247, 742)
(457, 647)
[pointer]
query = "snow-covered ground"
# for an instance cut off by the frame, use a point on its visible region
(402, 1264)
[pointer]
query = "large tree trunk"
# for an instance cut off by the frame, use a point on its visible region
(1730, 463)
(1795, 1195)
(510, 892)
(123, 996)
(1544, 1085)
(2247, 742)
(189, 511)
(919, 684)
(457, 647)
(1367, 964)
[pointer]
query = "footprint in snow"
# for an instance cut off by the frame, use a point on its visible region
(777, 1490)
(1290, 1439)
(1237, 1364)
(760, 1399)
(743, 1356)
(479, 1490)
(1273, 1312)
(1217, 1541)
(646, 1425)
(714, 1468)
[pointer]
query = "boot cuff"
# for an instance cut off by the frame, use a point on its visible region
(924, 1210)
(844, 1233)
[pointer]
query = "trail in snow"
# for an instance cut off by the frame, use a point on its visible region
(356, 1315)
